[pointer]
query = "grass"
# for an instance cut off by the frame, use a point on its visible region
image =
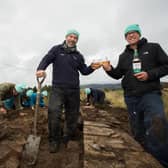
(116, 98)
(165, 98)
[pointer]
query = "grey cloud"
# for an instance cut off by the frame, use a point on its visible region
(31, 28)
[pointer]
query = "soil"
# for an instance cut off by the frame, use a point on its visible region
(103, 140)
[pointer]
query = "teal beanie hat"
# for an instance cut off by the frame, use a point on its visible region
(44, 93)
(131, 28)
(20, 87)
(87, 90)
(72, 31)
(29, 92)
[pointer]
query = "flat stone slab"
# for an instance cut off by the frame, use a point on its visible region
(106, 147)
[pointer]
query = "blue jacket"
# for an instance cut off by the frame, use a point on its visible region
(66, 67)
(31, 101)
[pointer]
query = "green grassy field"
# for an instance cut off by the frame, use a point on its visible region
(165, 98)
(117, 100)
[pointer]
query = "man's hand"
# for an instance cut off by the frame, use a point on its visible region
(3, 110)
(40, 73)
(106, 65)
(142, 76)
(96, 65)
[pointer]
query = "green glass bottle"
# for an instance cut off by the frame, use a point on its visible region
(136, 62)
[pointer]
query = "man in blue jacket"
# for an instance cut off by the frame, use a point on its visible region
(142, 90)
(67, 61)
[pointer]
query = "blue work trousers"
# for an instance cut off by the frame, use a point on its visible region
(148, 124)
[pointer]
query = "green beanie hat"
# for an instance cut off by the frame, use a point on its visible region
(72, 31)
(29, 93)
(87, 91)
(131, 28)
(20, 87)
(44, 93)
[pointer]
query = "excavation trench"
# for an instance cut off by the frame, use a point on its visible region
(104, 141)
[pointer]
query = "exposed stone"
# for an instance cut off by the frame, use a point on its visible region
(96, 131)
(106, 145)
(96, 124)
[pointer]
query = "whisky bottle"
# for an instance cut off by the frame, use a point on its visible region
(136, 62)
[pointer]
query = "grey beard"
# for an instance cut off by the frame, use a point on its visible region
(68, 49)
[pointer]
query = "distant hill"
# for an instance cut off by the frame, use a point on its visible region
(102, 86)
(112, 86)
(165, 84)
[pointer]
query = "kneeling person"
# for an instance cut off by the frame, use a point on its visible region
(10, 96)
(94, 96)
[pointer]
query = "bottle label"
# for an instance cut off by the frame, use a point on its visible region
(137, 67)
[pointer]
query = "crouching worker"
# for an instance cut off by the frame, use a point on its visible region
(94, 96)
(31, 99)
(10, 96)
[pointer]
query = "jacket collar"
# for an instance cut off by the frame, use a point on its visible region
(141, 42)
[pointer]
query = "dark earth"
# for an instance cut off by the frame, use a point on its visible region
(103, 140)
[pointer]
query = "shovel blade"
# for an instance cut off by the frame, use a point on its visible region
(31, 149)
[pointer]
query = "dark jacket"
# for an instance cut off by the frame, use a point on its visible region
(96, 95)
(154, 62)
(65, 66)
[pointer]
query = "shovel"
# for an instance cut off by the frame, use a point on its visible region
(33, 142)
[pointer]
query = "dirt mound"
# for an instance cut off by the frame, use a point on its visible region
(104, 142)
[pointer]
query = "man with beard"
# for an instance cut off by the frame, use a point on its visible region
(67, 62)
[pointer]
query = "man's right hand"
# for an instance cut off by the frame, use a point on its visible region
(107, 66)
(3, 110)
(40, 73)
(96, 65)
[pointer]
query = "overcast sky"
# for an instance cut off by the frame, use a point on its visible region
(29, 28)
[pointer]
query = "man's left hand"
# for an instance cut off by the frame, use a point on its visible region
(142, 76)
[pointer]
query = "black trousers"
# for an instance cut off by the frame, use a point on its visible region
(69, 100)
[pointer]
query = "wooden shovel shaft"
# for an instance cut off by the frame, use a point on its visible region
(39, 82)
